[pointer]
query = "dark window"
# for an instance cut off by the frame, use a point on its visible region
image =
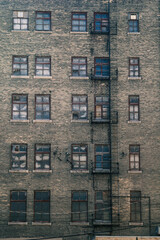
(79, 206)
(133, 22)
(79, 22)
(134, 69)
(79, 107)
(134, 108)
(42, 156)
(102, 157)
(20, 20)
(101, 107)
(79, 66)
(19, 156)
(102, 206)
(18, 206)
(42, 107)
(101, 22)
(134, 157)
(101, 67)
(19, 107)
(135, 206)
(42, 206)
(43, 21)
(20, 66)
(43, 66)
(79, 157)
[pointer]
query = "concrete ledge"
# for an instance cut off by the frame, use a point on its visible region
(17, 223)
(42, 121)
(101, 171)
(79, 32)
(20, 31)
(13, 76)
(79, 223)
(49, 32)
(135, 223)
(18, 171)
(41, 224)
(134, 171)
(134, 78)
(42, 171)
(19, 121)
(80, 121)
(100, 223)
(43, 77)
(136, 122)
(79, 171)
(79, 78)
(133, 33)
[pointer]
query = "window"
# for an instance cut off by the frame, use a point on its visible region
(43, 21)
(18, 205)
(101, 107)
(79, 107)
(101, 67)
(134, 108)
(42, 156)
(19, 107)
(79, 206)
(134, 69)
(79, 66)
(135, 206)
(79, 157)
(102, 157)
(20, 66)
(20, 20)
(79, 22)
(19, 157)
(134, 157)
(42, 107)
(101, 22)
(133, 22)
(43, 66)
(42, 206)
(102, 206)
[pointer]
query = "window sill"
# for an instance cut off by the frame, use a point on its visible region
(18, 171)
(19, 121)
(42, 121)
(80, 121)
(101, 222)
(17, 223)
(79, 32)
(20, 31)
(79, 171)
(49, 32)
(134, 78)
(79, 223)
(134, 171)
(135, 223)
(13, 76)
(42, 171)
(136, 122)
(133, 33)
(43, 77)
(79, 78)
(101, 171)
(41, 224)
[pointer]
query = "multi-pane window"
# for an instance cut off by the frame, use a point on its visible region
(42, 156)
(79, 66)
(79, 107)
(43, 66)
(42, 206)
(133, 22)
(101, 67)
(20, 66)
(135, 206)
(79, 206)
(102, 206)
(134, 108)
(101, 22)
(19, 107)
(42, 108)
(102, 157)
(101, 107)
(134, 68)
(79, 157)
(20, 20)
(79, 22)
(19, 156)
(134, 157)
(43, 21)
(18, 205)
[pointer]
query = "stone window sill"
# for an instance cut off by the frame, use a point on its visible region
(79, 78)
(17, 223)
(134, 171)
(42, 121)
(42, 171)
(43, 77)
(13, 76)
(18, 171)
(43, 31)
(41, 224)
(79, 32)
(79, 171)
(19, 121)
(101, 171)
(136, 223)
(79, 223)
(99, 222)
(80, 121)
(134, 78)
(133, 33)
(136, 122)
(19, 31)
